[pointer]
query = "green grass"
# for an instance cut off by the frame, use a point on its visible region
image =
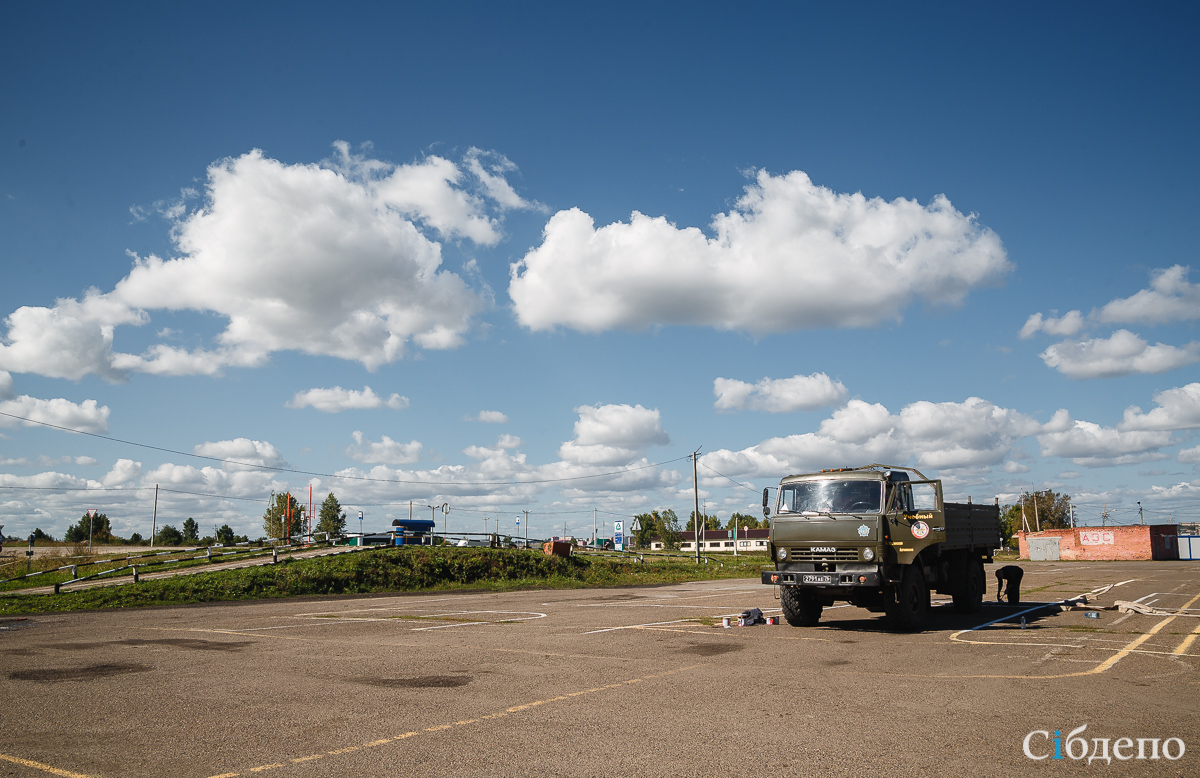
(390, 570)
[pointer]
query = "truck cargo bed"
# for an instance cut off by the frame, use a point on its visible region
(971, 526)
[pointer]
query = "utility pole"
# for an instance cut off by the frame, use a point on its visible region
(1071, 508)
(593, 527)
(526, 527)
(1036, 521)
(1141, 516)
(154, 517)
(696, 500)
(1104, 514)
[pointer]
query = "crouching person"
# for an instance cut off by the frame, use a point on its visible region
(1010, 575)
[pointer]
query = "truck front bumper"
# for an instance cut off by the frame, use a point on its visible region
(840, 578)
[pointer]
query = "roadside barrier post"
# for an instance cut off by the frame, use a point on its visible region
(74, 571)
(135, 574)
(275, 555)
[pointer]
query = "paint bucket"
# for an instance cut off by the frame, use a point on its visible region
(772, 621)
(741, 621)
(1091, 615)
(725, 622)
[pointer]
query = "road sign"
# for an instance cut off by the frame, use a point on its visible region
(618, 540)
(91, 513)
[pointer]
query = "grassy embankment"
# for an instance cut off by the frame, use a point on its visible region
(391, 570)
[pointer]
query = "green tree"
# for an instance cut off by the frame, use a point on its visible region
(651, 526)
(1046, 509)
(39, 535)
(169, 536)
(1010, 522)
(284, 518)
(707, 521)
(191, 530)
(101, 530)
(332, 518)
(225, 535)
(739, 520)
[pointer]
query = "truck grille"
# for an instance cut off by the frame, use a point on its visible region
(823, 555)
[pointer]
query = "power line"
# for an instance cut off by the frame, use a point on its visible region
(277, 469)
(727, 478)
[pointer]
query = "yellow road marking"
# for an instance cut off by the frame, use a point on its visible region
(43, 767)
(442, 727)
(1187, 642)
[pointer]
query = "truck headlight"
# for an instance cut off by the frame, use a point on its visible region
(868, 554)
(782, 554)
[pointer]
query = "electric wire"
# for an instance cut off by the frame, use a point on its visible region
(278, 469)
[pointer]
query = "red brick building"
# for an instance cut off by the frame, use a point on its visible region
(1149, 541)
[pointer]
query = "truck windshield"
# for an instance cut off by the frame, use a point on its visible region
(830, 497)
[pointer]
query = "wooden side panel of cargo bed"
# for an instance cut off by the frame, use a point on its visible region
(971, 526)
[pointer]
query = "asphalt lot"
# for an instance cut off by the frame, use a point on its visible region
(601, 682)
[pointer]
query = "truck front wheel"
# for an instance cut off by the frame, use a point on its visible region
(907, 604)
(801, 607)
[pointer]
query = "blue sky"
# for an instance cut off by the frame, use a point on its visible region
(507, 258)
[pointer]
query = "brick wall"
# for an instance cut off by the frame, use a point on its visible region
(1151, 541)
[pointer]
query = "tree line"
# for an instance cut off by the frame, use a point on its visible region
(665, 525)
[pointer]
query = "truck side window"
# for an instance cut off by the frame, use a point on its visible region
(924, 497)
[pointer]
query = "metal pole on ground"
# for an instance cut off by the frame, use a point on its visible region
(154, 517)
(696, 499)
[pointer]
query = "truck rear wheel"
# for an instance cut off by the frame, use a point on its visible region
(801, 608)
(968, 596)
(908, 604)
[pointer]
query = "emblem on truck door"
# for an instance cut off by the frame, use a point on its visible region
(863, 530)
(919, 530)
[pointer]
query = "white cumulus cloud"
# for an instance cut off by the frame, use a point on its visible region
(1178, 409)
(790, 255)
(613, 434)
(241, 450)
(779, 395)
(973, 433)
(1064, 326)
(1092, 445)
(1120, 354)
(1170, 298)
(337, 399)
(385, 452)
(1189, 456)
(329, 259)
(87, 416)
(489, 417)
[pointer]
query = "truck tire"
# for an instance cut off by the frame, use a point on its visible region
(968, 596)
(801, 607)
(907, 604)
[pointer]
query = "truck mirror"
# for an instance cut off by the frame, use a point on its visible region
(766, 496)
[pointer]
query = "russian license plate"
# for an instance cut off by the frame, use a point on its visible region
(816, 578)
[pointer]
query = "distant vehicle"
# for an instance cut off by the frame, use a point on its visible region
(878, 538)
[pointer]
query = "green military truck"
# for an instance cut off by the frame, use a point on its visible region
(879, 537)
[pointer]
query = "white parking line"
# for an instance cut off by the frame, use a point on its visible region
(528, 616)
